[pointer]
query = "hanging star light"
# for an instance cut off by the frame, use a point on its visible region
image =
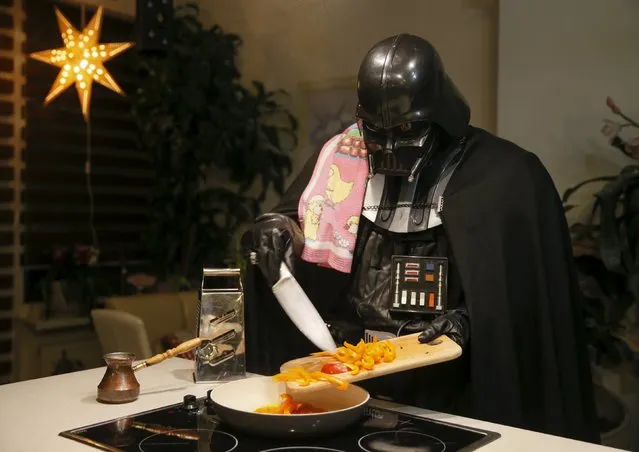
(81, 60)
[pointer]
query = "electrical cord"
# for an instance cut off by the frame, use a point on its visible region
(403, 325)
(87, 164)
(87, 170)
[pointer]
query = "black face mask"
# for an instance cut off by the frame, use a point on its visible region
(408, 108)
(398, 151)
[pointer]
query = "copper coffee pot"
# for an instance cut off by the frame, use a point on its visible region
(119, 384)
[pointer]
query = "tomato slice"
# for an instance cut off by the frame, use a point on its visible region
(334, 368)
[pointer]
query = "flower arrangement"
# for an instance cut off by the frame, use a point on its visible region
(72, 276)
(612, 130)
(69, 261)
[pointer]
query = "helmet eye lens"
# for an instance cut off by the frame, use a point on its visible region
(409, 130)
(405, 130)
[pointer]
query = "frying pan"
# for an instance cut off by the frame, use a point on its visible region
(235, 403)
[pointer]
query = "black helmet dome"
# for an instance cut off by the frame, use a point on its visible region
(402, 80)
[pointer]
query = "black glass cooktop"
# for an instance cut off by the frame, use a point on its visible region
(192, 426)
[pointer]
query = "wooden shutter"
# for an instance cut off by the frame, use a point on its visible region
(55, 195)
(11, 166)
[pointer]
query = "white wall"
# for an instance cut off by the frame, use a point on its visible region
(290, 42)
(557, 62)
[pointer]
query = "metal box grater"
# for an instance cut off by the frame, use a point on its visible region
(220, 318)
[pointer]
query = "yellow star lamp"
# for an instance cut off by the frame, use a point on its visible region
(81, 60)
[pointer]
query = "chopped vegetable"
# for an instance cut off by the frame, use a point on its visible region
(348, 358)
(334, 368)
(364, 355)
(288, 406)
(304, 378)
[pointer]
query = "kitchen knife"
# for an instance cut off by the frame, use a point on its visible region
(301, 310)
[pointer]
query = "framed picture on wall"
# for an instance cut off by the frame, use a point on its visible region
(327, 109)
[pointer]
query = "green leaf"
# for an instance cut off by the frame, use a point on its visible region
(570, 191)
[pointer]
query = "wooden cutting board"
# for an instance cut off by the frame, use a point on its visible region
(410, 354)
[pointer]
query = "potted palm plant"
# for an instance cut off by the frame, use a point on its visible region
(606, 250)
(217, 146)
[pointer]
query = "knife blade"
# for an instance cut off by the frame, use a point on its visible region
(301, 310)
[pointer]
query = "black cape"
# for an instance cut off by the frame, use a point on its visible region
(507, 230)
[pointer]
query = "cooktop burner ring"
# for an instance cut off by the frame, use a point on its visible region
(233, 440)
(308, 448)
(407, 438)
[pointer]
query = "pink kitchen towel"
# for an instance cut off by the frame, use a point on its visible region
(331, 204)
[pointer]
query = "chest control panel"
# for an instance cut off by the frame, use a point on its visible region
(419, 284)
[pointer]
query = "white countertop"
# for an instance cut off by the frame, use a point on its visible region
(34, 412)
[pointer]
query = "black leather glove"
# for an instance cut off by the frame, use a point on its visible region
(276, 238)
(454, 324)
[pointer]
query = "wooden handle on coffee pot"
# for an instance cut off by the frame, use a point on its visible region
(182, 348)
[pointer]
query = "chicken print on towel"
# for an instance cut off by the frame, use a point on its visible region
(330, 206)
(337, 190)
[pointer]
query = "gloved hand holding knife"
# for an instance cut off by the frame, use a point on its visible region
(278, 241)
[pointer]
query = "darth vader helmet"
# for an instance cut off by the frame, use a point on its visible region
(405, 99)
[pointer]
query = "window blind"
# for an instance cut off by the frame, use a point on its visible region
(56, 196)
(11, 172)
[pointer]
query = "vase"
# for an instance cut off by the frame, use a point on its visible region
(58, 304)
(65, 299)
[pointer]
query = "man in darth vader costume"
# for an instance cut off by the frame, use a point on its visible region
(480, 211)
